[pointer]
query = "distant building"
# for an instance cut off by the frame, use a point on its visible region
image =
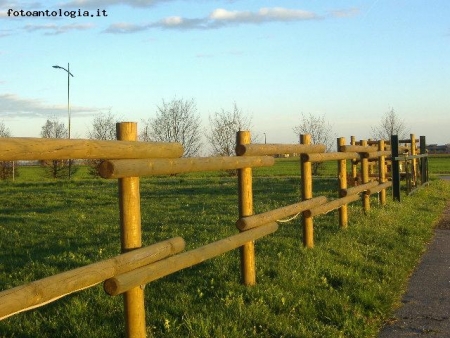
(438, 149)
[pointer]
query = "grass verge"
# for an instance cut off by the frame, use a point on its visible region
(345, 287)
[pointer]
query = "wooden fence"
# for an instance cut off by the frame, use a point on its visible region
(128, 160)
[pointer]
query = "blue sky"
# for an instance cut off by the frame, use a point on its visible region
(350, 61)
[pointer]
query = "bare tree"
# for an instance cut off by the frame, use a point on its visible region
(4, 131)
(53, 128)
(223, 128)
(390, 124)
(7, 169)
(175, 121)
(103, 128)
(321, 133)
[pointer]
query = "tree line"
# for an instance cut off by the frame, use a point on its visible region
(178, 120)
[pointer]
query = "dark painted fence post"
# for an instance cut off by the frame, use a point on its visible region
(395, 168)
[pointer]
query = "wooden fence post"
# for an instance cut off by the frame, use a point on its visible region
(342, 177)
(382, 172)
(130, 225)
(414, 161)
(354, 166)
(307, 193)
(245, 186)
(365, 177)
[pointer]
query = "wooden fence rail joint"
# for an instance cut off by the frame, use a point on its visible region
(358, 189)
(143, 275)
(331, 205)
(249, 222)
(46, 290)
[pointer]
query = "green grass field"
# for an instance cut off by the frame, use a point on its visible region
(439, 164)
(347, 286)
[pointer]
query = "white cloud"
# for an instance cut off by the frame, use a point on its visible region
(52, 29)
(107, 3)
(263, 15)
(5, 33)
(12, 105)
(345, 13)
(177, 22)
(275, 14)
(219, 18)
(223, 14)
(287, 14)
(173, 21)
(124, 27)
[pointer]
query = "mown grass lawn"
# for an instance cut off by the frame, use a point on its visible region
(345, 287)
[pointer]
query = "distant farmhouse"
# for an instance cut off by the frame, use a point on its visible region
(437, 149)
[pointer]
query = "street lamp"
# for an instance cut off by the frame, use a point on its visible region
(69, 74)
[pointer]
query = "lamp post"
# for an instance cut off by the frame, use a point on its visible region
(69, 74)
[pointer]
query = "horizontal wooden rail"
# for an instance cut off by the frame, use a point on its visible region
(375, 143)
(376, 154)
(332, 205)
(275, 149)
(408, 140)
(254, 221)
(358, 149)
(379, 187)
(409, 157)
(31, 149)
(357, 189)
(130, 168)
(49, 289)
(121, 283)
(330, 156)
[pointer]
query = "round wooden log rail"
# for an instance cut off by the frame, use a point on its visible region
(46, 290)
(30, 149)
(357, 189)
(275, 149)
(379, 187)
(121, 283)
(330, 156)
(127, 168)
(358, 149)
(376, 154)
(373, 143)
(409, 157)
(254, 221)
(324, 208)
